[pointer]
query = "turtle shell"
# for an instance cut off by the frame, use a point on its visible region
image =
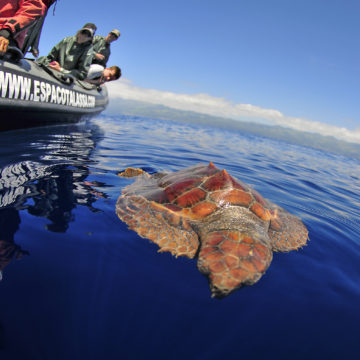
(204, 211)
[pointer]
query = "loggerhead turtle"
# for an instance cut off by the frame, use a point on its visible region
(205, 212)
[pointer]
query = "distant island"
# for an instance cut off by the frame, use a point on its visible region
(315, 141)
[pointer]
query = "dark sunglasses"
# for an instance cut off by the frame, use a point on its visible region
(85, 32)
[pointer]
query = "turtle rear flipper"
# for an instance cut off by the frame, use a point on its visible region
(287, 232)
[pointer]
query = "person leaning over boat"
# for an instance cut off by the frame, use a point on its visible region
(16, 16)
(101, 46)
(72, 55)
(98, 75)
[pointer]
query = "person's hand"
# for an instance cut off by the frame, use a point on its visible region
(35, 52)
(3, 45)
(55, 66)
(99, 56)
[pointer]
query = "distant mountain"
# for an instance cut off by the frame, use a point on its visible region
(315, 141)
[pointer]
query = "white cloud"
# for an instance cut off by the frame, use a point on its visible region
(207, 104)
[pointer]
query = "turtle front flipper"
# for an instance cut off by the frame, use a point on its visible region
(287, 232)
(232, 259)
(132, 172)
(156, 222)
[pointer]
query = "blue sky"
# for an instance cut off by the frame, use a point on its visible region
(288, 62)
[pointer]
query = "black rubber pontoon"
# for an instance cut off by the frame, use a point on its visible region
(32, 95)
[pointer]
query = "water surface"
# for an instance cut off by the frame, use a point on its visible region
(86, 287)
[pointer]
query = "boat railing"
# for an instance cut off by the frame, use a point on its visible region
(66, 79)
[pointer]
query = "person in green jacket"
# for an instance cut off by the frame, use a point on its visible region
(101, 46)
(72, 55)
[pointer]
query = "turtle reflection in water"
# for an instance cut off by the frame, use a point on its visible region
(204, 212)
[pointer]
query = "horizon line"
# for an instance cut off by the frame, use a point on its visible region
(218, 107)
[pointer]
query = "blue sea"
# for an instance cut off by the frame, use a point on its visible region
(77, 284)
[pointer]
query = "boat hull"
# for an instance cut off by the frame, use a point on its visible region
(31, 96)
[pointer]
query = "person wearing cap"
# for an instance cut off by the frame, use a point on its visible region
(91, 26)
(101, 46)
(72, 55)
(16, 16)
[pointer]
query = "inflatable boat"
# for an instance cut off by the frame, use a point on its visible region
(33, 95)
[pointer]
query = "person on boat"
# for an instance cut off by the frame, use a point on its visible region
(32, 37)
(98, 75)
(101, 46)
(16, 16)
(72, 55)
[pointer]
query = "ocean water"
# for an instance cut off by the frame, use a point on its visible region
(86, 287)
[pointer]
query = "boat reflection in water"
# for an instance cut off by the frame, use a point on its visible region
(50, 184)
(9, 224)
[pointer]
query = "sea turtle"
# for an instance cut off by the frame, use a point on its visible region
(205, 212)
